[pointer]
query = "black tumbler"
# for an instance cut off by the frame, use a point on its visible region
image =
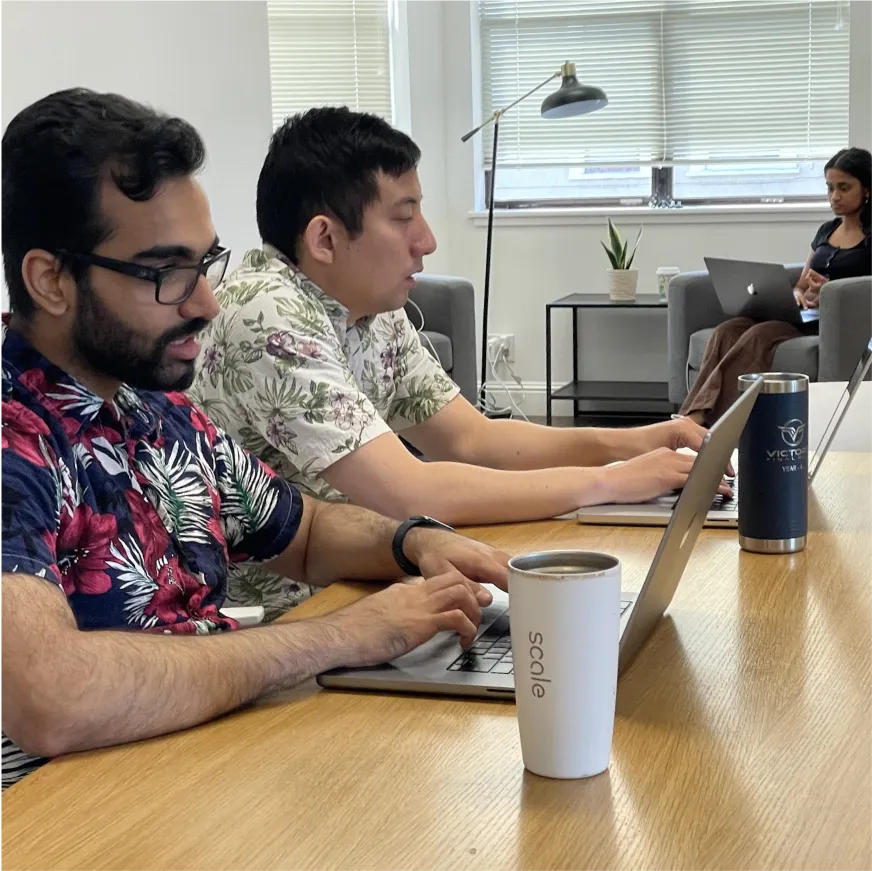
(773, 465)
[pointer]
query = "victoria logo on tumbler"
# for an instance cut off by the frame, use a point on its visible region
(792, 432)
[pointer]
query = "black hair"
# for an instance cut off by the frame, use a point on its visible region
(324, 161)
(57, 152)
(856, 162)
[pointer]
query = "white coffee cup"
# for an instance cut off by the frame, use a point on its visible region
(665, 274)
(565, 615)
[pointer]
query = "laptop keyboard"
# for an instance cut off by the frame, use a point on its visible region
(492, 650)
(719, 503)
(724, 503)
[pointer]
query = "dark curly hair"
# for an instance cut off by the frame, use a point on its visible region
(55, 155)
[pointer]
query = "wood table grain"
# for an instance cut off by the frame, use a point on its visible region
(742, 741)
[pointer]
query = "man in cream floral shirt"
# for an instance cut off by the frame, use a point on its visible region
(313, 365)
(304, 386)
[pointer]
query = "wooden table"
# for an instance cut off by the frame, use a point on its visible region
(742, 741)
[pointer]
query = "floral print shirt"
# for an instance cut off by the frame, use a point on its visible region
(285, 374)
(135, 508)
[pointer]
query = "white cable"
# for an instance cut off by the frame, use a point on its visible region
(523, 396)
(415, 306)
(489, 405)
(420, 331)
(501, 356)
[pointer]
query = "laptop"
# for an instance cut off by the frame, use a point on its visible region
(724, 511)
(441, 667)
(860, 372)
(760, 291)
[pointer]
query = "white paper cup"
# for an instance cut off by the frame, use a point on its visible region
(565, 615)
(665, 274)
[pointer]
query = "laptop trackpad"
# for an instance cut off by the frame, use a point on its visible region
(444, 645)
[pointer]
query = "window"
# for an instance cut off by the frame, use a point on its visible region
(709, 100)
(335, 53)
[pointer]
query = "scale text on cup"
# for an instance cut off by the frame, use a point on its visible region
(537, 665)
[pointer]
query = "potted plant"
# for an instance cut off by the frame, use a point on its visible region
(622, 277)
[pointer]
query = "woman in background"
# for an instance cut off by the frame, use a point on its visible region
(841, 248)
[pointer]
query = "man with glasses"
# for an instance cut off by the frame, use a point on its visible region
(123, 505)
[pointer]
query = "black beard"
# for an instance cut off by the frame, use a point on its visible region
(112, 349)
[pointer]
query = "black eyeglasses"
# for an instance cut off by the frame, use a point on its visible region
(172, 284)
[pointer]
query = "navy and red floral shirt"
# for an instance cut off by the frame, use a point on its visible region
(136, 508)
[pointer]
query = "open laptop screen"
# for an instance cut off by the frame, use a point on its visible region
(844, 403)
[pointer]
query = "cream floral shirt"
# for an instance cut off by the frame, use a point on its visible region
(284, 374)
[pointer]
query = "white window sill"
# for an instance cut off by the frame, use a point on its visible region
(744, 214)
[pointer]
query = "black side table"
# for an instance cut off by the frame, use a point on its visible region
(616, 401)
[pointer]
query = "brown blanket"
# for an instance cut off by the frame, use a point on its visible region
(737, 347)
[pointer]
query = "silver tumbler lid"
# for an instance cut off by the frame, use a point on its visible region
(563, 563)
(775, 382)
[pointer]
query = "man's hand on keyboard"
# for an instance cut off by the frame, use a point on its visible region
(680, 432)
(437, 551)
(401, 617)
(646, 477)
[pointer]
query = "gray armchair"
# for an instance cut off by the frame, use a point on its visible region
(845, 328)
(448, 306)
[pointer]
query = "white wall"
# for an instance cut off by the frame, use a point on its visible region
(207, 62)
(538, 259)
(429, 105)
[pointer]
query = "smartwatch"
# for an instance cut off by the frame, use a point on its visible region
(400, 536)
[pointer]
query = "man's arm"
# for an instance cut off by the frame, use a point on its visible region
(338, 541)
(460, 433)
(384, 476)
(66, 690)
(320, 542)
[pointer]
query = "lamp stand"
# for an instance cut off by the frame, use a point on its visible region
(485, 359)
(570, 99)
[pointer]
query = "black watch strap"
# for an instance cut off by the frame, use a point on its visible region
(400, 536)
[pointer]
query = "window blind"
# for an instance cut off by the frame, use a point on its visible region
(329, 53)
(688, 81)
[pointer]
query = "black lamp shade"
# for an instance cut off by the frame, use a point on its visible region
(573, 98)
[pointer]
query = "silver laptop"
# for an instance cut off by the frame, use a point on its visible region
(760, 291)
(441, 667)
(725, 511)
(860, 372)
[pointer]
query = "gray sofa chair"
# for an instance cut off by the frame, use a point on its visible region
(448, 306)
(845, 328)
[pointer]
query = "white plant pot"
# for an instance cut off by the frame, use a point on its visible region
(622, 283)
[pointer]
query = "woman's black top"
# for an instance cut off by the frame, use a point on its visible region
(836, 263)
